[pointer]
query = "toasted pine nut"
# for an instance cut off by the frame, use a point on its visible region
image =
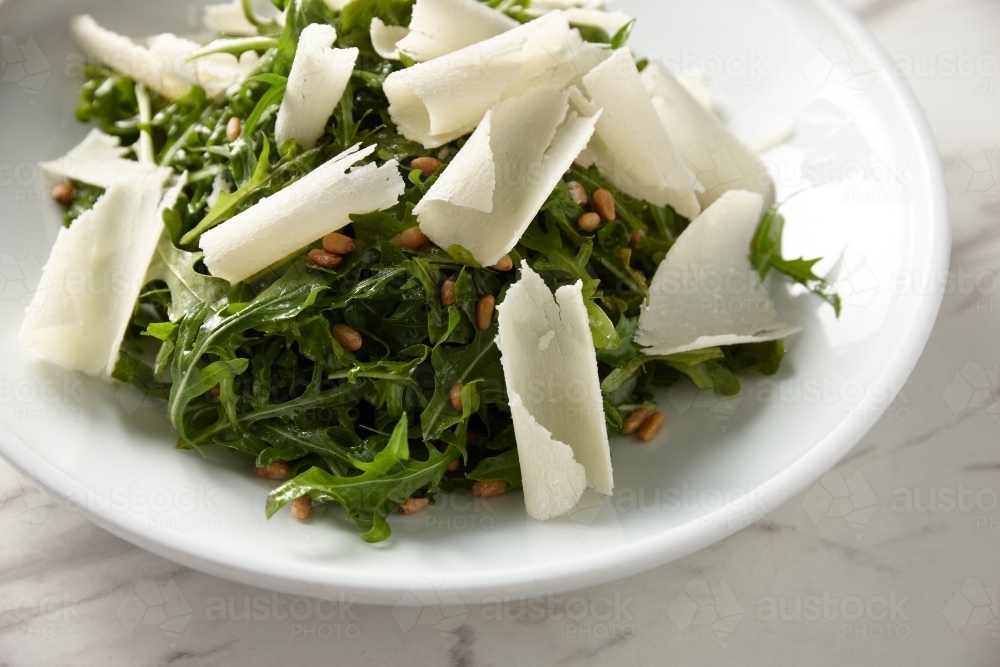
(277, 471)
(604, 205)
(448, 292)
(652, 426)
(635, 240)
(413, 505)
(484, 312)
(455, 465)
(324, 260)
(348, 337)
(412, 239)
(302, 508)
(489, 488)
(456, 396)
(216, 391)
(474, 436)
(635, 421)
(62, 193)
(504, 265)
(338, 244)
(578, 193)
(234, 129)
(588, 222)
(427, 165)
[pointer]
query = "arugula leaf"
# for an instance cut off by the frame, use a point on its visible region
(506, 466)
(187, 286)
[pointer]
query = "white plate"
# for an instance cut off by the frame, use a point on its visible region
(879, 206)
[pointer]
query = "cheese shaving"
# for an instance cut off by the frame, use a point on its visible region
(631, 147)
(90, 285)
(487, 197)
(717, 157)
(316, 83)
(706, 293)
(98, 160)
(284, 223)
(440, 27)
(550, 368)
(385, 38)
(440, 100)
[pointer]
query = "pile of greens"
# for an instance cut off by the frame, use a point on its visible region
(254, 367)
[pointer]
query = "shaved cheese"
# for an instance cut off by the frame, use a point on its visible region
(125, 56)
(696, 84)
(568, 4)
(631, 147)
(98, 160)
(217, 73)
(385, 38)
(440, 27)
(229, 19)
(163, 66)
(706, 293)
(316, 83)
(338, 5)
(550, 368)
(90, 285)
(440, 100)
(719, 159)
(318, 204)
(495, 186)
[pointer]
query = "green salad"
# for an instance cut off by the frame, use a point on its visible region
(363, 369)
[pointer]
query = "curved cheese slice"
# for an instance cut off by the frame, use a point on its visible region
(90, 285)
(319, 203)
(500, 179)
(440, 100)
(720, 160)
(440, 27)
(632, 147)
(550, 368)
(228, 19)
(706, 293)
(98, 160)
(316, 83)
(386, 38)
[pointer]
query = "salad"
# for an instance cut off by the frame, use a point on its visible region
(387, 249)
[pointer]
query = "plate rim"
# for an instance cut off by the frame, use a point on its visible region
(591, 570)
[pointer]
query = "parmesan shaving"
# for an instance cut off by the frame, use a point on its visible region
(440, 100)
(610, 22)
(550, 368)
(316, 83)
(631, 146)
(490, 193)
(218, 73)
(385, 38)
(90, 285)
(98, 160)
(440, 27)
(228, 19)
(284, 223)
(717, 157)
(706, 293)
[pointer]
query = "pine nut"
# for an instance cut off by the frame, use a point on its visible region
(338, 244)
(348, 337)
(588, 222)
(324, 260)
(62, 193)
(652, 426)
(413, 505)
(448, 292)
(456, 396)
(426, 165)
(412, 239)
(484, 312)
(455, 465)
(489, 488)
(277, 471)
(234, 129)
(504, 265)
(635, 240)
(216, 391)
(604, 205)
(302, 508)
(578, 193)
(635, 421)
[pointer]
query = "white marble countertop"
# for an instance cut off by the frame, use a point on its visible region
(913, 583)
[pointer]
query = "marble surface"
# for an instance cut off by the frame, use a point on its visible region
(910, 580)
